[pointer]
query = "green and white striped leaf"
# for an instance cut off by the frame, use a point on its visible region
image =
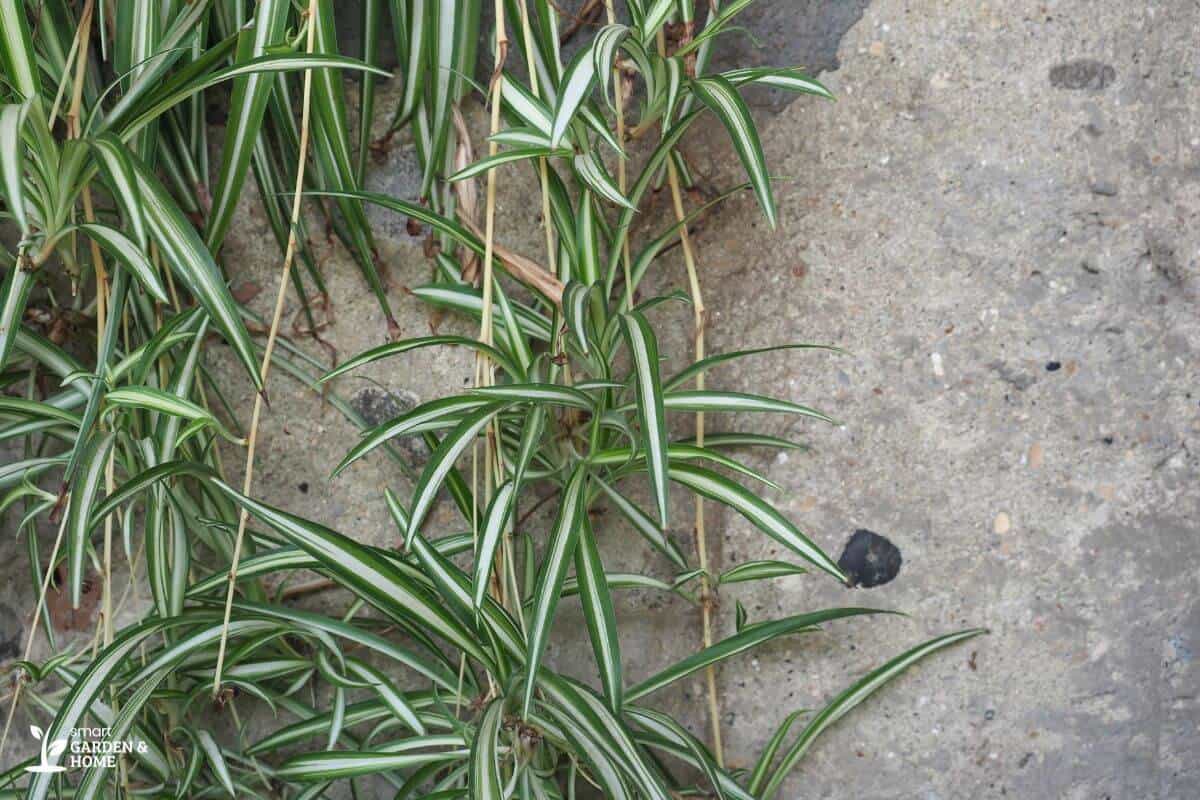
(17, 55)
(442, 461)
(592, 171)
(521, 136)
(129, 254)
(117, 167)
(494, 522)
(508, 157)
(758, 511)
(759, 571)
(715, 24)
(576, 84)
(643, 349)
(172, 95)
(396, 348)
(538, 393)
(575, 310)
(83, 499)
(704, 365)
(527, 107)
(856, 694)
(720, 95)
(434, 415)
(484, 778)
(655, 15)
(364, 572)
(599, 614)
(391, 697)
(664, 727)
(791, 80)
(247, 105)
(734, 403)
(339, 764)
(14, 294)
(150, 399)
(759, 774)
(12, 151)
(604, 53)
(192, 263)
(749, 637)
(563, 538)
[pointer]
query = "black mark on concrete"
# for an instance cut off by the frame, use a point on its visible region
(870, 559)
(803, 33)
(1053, 366)
(377, 406)
(1162, 255)
(1082, 73)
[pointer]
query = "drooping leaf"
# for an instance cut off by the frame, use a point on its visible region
(748, 637)
(856, 694)
(762, 514)
(722, 97)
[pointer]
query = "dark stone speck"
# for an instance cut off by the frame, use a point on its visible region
(1053, 366)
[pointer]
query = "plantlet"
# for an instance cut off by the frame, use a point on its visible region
(434, 682)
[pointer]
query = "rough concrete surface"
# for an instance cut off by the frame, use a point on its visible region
(998, 219)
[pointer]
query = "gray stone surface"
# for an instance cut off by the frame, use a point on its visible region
(998, 219)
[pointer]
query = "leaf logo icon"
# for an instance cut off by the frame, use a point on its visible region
(49, 750)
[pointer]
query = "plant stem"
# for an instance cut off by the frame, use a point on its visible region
(622, 180)
(483, 365)
(698, 325)
(260, 397)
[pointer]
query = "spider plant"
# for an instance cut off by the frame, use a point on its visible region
(433, 682)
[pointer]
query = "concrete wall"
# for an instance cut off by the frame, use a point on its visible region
(999, 220)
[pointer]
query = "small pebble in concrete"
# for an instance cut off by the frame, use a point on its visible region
(303, 487)
(1002, 523)
(938, 369)
(1036, 456)
(1053, 366)
(870, 559)
(1104, 189)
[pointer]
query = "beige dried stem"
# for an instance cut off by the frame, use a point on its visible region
(260, 397)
